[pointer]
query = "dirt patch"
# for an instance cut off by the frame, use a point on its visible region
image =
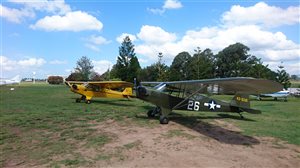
(219, 144)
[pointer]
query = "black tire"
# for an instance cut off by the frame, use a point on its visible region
(78, 100)
(151, 113)
(88, 101)
(163, 120)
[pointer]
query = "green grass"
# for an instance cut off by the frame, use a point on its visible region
(41, 122)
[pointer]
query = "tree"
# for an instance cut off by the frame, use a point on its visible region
(283, 77)
(84, 67)
(75, 76)
(162, 69)
(127, 66)
(55, 80)
(232, 61)
(202, 64)
(179, 69)
(149, 73)
(258, 70)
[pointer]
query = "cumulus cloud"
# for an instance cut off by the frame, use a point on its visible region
(93, 42)
(267, 45)
(102, 66)
(52, 6)
(57, 62)
(72, 21)
(123, 35)
(15, 65)
(172, 4)
(261, 14)
(15, 15)
(29, 8)
(155, 35)
(168, 4)
(98, 40)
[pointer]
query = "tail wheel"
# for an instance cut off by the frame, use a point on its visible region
(163, 120)
(88, 101)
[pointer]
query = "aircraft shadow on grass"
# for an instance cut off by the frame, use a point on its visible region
(216, 132)
(121, 102)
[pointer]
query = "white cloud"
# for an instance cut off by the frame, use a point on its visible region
(172, 4)
(267, 45)
(155, 35)
(123, 35)
(57, 62)
(98, 40)
(293, 68)
(72, 21)
(168, 4)
(92, 47)
(52, 6)
(28, 9)
(17, 65)
(102, 66)
(261, 14)
(15, 15)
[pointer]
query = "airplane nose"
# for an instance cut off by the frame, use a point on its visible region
(74, 87)
(141, 91)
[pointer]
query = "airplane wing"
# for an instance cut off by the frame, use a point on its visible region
(242, 85)
(111, 84)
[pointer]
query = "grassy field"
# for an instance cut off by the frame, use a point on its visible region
(42, 122)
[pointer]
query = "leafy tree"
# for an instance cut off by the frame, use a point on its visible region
(84, 67)
(179, 69)
(162, 69)
(127, 66)
(55, 80)
(75, 76)
(294, 77)
(202, 64)
(283, 77)
(94, 76)
(233, 60)
(149, 73)
(258, 70)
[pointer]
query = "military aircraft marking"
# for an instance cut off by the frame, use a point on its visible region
(212, 105)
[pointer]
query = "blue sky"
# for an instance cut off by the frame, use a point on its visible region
(48, 37)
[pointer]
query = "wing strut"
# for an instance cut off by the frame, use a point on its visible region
(180, 103)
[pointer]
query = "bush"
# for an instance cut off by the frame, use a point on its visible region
(55, 80)
(75, 76)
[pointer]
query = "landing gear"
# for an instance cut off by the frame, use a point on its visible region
(242, 117)
(163, 120)
(88, 101)
(152, 113)
(78, 100)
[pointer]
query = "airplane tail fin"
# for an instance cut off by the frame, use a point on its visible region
(242, 102)
(127, 91)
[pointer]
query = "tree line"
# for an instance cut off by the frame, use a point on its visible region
(232, 61)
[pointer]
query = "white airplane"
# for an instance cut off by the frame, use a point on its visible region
(281, 94)
(14, 80)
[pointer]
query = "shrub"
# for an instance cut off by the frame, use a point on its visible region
(55, 80)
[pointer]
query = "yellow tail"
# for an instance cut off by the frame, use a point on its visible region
(127, 91)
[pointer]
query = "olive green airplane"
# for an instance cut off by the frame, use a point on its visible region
(194, 95)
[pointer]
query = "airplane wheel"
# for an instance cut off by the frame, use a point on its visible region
(78, 100)
(151, 113)
(88, 101)
(163, 120)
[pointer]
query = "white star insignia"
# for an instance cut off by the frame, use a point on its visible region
(212, 105)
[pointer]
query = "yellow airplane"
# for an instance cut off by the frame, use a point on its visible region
(106, 89)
